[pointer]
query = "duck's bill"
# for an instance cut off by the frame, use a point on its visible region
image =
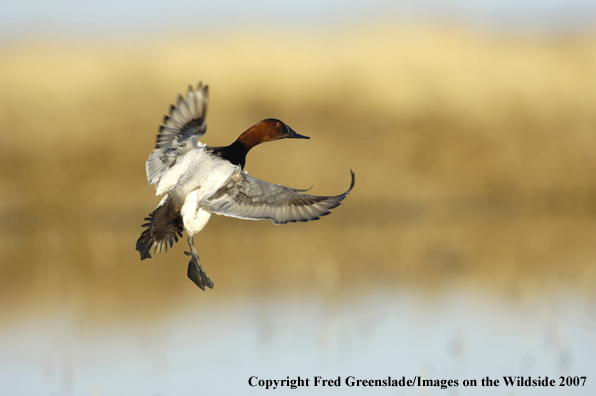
(292, 134)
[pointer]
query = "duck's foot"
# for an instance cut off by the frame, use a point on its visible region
(196, 273)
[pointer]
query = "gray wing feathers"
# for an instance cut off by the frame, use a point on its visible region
(246, 197)
(185, 120)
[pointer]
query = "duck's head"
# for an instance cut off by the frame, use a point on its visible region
(267, 131)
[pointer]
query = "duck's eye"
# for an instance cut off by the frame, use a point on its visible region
(278, 124)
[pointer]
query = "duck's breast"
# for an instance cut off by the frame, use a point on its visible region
(197, 170)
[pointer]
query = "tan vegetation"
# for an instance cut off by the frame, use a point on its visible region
(473, 153)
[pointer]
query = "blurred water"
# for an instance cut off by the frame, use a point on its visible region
(216, 350)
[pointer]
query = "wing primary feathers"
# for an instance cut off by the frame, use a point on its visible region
(185, 121)
(246, 197)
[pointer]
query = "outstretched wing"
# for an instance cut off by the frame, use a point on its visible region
(185, 121)
(246, 197)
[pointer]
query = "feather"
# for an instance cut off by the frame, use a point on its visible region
(185, 121)
(246, 197)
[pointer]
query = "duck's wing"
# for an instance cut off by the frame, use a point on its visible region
(186, 121)
(246, 197)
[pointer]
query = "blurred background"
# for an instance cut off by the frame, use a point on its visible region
(467, 248)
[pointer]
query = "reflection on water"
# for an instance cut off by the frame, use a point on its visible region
(216, 350)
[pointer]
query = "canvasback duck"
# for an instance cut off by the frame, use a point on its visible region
(199, 180)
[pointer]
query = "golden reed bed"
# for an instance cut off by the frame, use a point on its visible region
(474, 155)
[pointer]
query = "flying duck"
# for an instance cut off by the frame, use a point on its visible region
(199, 180)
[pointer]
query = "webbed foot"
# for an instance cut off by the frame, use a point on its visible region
(197, 274)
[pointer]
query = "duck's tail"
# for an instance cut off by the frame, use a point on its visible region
(163, 228)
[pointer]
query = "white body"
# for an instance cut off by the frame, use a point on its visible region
(196, 176)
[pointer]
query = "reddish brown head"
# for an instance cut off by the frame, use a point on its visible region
(267, 131)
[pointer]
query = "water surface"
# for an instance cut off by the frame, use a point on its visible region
(215, 350)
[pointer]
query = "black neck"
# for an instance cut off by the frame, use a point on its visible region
(235, 153)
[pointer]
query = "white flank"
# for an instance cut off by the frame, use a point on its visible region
(194, 216)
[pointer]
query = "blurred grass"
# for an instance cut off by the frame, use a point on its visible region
(473, 153)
